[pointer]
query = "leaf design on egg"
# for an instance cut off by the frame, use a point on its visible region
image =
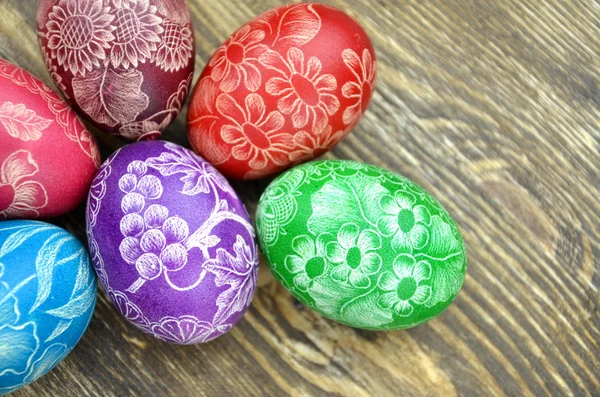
(111, 96)
(448, 258)
(298, 26)
(21, 122)
(19, 237)
(45, 263)
(235, 272)
(83, 295)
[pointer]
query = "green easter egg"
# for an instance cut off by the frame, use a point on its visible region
(361, 245)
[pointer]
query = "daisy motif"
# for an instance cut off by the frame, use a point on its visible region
(79, 32)
(303, 92)
(353, 255)
(404, 220)
(137, 32)
(404, 286)
(256, 135)
(176, 47)
(309, 263)
(237, 60)
(19, 197)
(360, 90)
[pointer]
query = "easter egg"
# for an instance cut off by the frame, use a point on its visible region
(47, 297)
(283, 89)
(126, 65)
(47, 157)
(361, 245)
(171, 242)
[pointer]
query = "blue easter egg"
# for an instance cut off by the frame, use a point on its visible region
(47, 297)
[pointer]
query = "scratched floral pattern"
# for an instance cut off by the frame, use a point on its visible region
(121, 62)
(315, 86)
(181, 231)
(361, 245)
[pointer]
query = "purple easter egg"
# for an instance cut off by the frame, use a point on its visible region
(171, 242)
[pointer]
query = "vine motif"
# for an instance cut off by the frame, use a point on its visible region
(157, 244)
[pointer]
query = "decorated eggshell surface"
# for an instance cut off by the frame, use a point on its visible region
(47, 297)
(284, 88)
(125, 64)
(47, 157)
(171, 242)
(361, 245)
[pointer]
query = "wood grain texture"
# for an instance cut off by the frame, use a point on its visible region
(494, 107)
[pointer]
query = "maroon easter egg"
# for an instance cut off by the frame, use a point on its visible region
(47, 157)
(125, 64)
(283, 89)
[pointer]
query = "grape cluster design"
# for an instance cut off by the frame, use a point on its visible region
(154, 241)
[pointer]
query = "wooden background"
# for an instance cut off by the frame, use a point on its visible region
(494, 107)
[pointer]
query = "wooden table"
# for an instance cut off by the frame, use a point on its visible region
(494, 107)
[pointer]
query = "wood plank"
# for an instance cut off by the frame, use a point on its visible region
(494, 107)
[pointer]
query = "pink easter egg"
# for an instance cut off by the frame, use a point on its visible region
(47, 157)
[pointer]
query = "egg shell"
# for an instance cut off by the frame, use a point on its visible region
(171, 242)
(127, 65)
(47, 157)
(283, 89)
(47, 297)
(361, 245)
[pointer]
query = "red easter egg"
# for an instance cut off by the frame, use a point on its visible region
(283, 89)
(127, 65)
(47, 157)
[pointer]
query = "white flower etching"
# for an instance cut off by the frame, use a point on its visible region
(79, 32)
(360, 90)
(309, 146)
(310, 261)
(237, 60)
(21, 122)
(254, 134)
(187, 330)
(303, 91)
(51, 357)
(353, 255)
(404, 287)
(136, 34)
(176, 47)
(404, 220)
(18, 345)
(19, 196)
